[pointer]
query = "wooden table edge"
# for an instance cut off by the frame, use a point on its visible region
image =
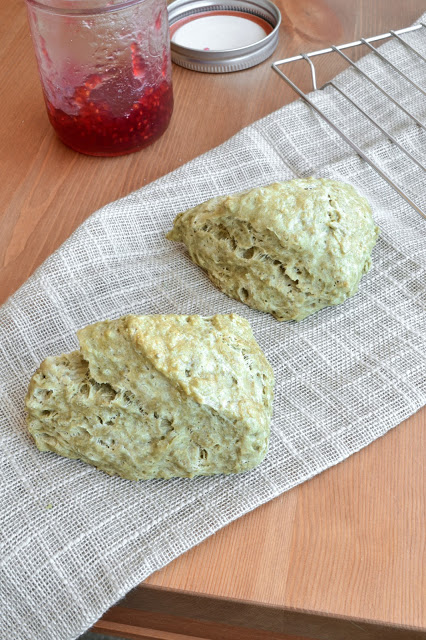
(174, 608)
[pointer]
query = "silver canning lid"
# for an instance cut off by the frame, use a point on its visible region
(233, 57)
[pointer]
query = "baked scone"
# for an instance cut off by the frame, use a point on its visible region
(290, 248)
(157, 397)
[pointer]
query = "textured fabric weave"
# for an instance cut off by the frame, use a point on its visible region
(73, 540)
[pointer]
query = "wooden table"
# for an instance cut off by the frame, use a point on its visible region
(340, 557)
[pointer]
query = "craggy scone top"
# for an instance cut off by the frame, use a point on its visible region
(290, 248)
(157, 397)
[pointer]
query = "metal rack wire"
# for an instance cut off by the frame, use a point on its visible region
(307, 57)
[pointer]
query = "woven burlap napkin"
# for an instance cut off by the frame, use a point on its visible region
(73, 540)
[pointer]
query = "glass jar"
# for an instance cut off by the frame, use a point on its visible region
(105, 71)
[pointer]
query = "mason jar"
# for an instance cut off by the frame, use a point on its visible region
(105, 71)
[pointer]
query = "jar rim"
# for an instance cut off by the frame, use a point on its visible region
(86, 8)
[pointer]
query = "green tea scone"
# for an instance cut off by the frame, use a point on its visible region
(290, 248)
(157, 397)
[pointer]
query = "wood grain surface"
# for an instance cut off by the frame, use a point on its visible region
(339, 557)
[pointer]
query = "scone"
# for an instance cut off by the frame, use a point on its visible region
(157, 397)
(290, 248)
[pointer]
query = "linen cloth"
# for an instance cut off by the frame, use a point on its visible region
(73, 540)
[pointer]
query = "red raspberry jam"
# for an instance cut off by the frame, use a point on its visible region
(111, 119)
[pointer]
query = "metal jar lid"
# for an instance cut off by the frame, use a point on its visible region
(241, 16)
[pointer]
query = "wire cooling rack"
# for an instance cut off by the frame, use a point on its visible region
(415, 87)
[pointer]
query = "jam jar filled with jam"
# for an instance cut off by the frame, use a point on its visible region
(105, 71)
